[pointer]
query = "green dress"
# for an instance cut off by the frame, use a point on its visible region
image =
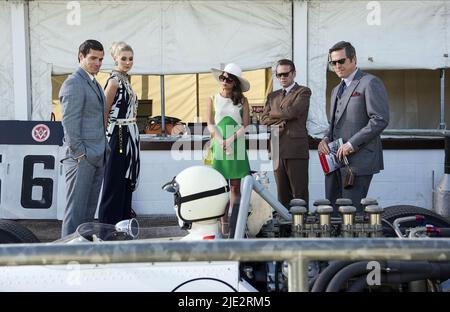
(228, 119)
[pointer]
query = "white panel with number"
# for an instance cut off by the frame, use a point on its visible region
(29, 187)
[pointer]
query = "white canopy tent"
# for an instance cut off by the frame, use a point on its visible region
(168, 37)
(410, 35)
(172, 37)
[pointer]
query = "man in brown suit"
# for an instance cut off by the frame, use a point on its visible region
(286, 111)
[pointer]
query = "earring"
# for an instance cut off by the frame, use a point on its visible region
(117, 63)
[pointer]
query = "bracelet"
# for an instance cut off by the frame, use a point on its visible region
(235, 136)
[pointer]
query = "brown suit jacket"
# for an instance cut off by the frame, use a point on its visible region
(289, 115)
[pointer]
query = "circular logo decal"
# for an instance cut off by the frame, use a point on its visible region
(40, 133)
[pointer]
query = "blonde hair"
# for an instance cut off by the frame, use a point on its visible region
(117, 47)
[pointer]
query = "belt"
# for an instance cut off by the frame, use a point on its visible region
(122, 122)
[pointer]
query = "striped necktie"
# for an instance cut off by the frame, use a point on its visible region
(341, 89)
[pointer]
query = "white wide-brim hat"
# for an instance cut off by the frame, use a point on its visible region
(234, 70)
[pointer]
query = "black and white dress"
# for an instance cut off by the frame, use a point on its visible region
(123, 164)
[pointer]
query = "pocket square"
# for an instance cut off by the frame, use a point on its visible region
(356, 93)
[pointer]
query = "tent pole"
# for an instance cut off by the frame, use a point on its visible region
(163, 105)
(442, 123)
(197, 96)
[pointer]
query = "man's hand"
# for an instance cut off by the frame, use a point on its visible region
(344, 150)
(323, 146)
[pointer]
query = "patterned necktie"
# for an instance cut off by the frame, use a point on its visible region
(284, 92)
(341, 89)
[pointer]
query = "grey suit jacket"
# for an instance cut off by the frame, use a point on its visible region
(360, 118)
(83, 110)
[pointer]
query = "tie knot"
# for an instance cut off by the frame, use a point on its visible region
(284, 92)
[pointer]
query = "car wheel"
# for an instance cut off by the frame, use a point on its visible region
(14, 233)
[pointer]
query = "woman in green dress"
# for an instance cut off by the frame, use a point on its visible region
(228, 116)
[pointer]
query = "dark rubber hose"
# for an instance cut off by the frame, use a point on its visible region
(345, 274)
(327, 274)
(401, 272)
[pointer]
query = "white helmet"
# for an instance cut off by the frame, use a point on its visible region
(200, 193)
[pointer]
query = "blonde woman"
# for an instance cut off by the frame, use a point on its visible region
(122, 166)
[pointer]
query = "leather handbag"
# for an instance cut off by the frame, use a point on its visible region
(172, 125)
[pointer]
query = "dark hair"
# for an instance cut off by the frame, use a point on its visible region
(86, 46)
(350, 51)
(286, 62)
(236, 93)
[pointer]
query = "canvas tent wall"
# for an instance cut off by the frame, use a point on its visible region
(192, 36)
(388, 35)
(6, 65)
(168, 37)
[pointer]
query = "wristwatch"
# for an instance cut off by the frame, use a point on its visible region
(80, 158)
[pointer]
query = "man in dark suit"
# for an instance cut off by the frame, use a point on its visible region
(286, 110)
(83, 104)
(359, 112)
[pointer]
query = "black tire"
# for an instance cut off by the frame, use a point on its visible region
(393, 212)
(14, 233)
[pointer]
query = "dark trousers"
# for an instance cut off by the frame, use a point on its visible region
(117, 192)
(291, 176)
(334, 188)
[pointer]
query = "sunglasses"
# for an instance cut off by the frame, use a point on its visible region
(286, 74)
(222, 78)
(341, 61)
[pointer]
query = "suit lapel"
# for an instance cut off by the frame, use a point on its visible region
(102, 94)
(284, 101)
(85, 76)
(347, 95)
(333, 101)
(96, 88)
(277, 100)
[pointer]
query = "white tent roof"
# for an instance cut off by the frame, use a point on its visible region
(192, 36)
(168, 37)
(386, 35)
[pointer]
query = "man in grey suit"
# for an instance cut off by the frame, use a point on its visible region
(359, 113)
(83, 104)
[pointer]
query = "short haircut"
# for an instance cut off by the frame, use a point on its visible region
(350, 51)
(86, 46)
(286, 62)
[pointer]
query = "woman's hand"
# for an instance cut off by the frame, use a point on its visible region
(219, 140)
(227, 145)
(228, 142)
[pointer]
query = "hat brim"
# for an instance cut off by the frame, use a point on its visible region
(245, 84)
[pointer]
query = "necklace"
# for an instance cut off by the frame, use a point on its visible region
(122, 75)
